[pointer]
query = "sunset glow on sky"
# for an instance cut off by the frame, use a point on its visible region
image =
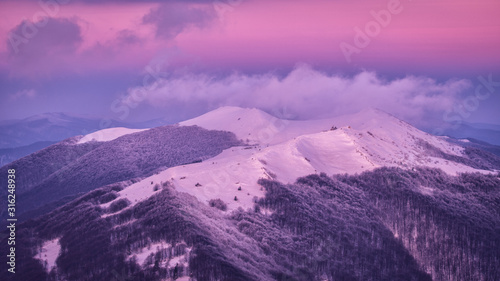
(88, 52)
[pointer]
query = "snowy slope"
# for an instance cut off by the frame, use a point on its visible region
(218, 177)
(261, 128)
(291, 149)
(108, 134)
(362, 141)
(255, 125)
(48, 254)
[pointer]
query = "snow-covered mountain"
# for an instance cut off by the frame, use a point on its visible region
(22, 137)
(286, 149)
(108, 134)
(44, 127)
(358, 197)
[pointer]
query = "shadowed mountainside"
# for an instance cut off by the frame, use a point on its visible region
(67, 169)
(388, 224)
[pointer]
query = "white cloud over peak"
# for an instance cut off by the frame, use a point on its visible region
(307, 94)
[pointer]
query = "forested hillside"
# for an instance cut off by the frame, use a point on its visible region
(70, 169)
(451, 225)
(387, 224)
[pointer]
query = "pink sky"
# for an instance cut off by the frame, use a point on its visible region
(425, 34)
(91, 52)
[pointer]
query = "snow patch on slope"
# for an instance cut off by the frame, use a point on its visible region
(233, 173)
(48, 254)
(333, 152)
(167, 255)
(108, 134)
(178, 260)
(142, 254)
(137, 192)
(425, 190)
(231, 176)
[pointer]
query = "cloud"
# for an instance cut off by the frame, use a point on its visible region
(172, 18)
(142, 1)
(24, 94)
(49, 36)
(54, 46)
(306, 94)
(126, 36)
(36, 49)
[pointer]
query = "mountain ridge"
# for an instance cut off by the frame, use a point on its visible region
(359, 197)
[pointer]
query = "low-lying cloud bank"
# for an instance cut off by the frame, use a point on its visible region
(306, 93)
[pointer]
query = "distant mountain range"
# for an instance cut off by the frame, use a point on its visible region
(55, 127)
(482, 132)
(46, 127)
(44, 176)
(238, 194)
(8, 155)
(19, 138)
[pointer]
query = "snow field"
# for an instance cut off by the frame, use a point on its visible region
(48, 254)
(108, 134)
(285, 150)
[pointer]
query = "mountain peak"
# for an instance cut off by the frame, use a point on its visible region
(257, 126)
(354, 143)
(245, 123)
(228, 111)
(52, 117)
